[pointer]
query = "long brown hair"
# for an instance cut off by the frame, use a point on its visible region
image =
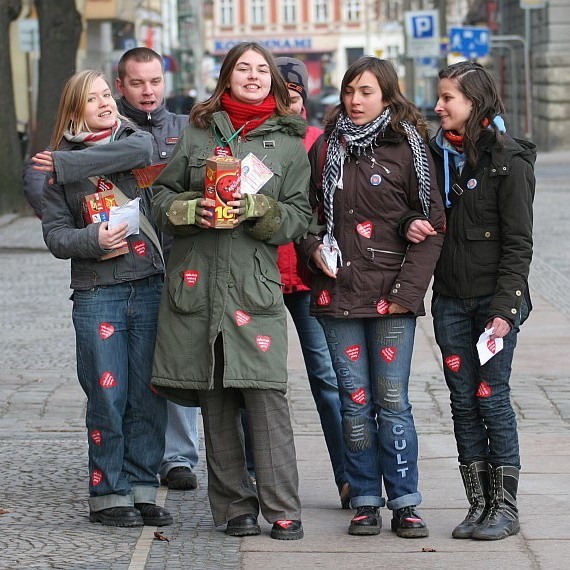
(479, 87)
(201, 114)
(71, 111)
(402, 109)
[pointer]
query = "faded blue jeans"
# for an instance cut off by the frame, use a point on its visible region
(372, 359)
(115, 330)
(322, 378)
(484, 421)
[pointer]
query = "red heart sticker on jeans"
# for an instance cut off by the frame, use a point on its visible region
(107, 380)
(96, 477)
(353, 352)
(484, 390)
(106, 330)
(389, 353)
(263, 342)
(359, 396)
(95, 436)
(453, 362)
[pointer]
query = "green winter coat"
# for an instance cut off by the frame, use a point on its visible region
(226, 280)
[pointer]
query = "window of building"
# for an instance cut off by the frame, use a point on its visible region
(392, 10)
(289, 12)
(353, 10)
(227, 12)
(257, 10)
(321, 10)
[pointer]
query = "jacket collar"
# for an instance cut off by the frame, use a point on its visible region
(142, 118)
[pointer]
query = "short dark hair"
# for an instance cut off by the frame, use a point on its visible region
(139, 54)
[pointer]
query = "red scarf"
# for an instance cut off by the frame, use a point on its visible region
(247, 115)
(455, 139)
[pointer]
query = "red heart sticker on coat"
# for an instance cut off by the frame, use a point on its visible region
(365, 229)
(140, 248)
(106, 330)
(389, 353)
(95, 436)
(492, 345)
(353, 352)
(453, 362)
(107, 380)
(263, 342)
(96, 477)
(324, 298)
(191, 277)
(241, 318)
(484, 390)
(359, 396)
(382, 307)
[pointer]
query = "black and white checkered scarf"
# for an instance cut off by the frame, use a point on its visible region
(348, 138)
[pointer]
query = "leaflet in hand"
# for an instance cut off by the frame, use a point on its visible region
(254, 174)
(487, 347)
(127, 213)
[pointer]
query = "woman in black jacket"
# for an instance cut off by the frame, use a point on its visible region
(487, 181)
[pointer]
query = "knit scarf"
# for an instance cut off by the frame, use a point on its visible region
(89, 138)
(455, 139)
(348, 138)
(246, 116)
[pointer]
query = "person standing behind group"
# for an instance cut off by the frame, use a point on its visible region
(115, 300)
(369, 285)
(487, 180)
(140, 82)
(222, 338)
(297, 295)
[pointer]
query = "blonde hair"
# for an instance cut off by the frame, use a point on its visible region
(71, 111)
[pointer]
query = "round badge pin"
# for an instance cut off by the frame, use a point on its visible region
(471, 183)
(375, 179)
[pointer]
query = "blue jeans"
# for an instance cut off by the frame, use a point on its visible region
(372, 359)
(484, 421)
(182, 441)
(115, 329)
(322, 378)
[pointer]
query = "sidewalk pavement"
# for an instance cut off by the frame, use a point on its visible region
(43, 453)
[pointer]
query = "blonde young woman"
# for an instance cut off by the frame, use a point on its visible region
(115, 300)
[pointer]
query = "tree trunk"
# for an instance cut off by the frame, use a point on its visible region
(11, 197)
(60, 29)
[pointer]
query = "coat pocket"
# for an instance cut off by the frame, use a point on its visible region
(484, 246)
(261, 285)
(187, 284)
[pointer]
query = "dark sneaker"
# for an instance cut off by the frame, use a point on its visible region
(181, 479)
(287, 530)
(117, 516)
(244, 525)
(407, 523)
(153, 515)
(366, 521)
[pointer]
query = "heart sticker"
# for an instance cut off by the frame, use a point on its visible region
(453, 362)
(353, 352)
(191, 277)
(389, 353)
(484, 390)
(140, 248)
(365, 229)
(106, 330)
(95, 436)
(107, 380)
(241, 318)
(96, 477)
(382, 307)
(359, 396)
(324, 298)
(263, 342)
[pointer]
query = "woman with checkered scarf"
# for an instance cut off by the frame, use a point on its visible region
(369, 169)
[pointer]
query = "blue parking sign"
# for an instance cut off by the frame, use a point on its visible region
(469, 42)
(423, 26)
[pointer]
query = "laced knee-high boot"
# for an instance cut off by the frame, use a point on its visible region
(475, 477)
(502, 520)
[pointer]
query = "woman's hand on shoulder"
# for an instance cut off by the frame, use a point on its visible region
(43, 161)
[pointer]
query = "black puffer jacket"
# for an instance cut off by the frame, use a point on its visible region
(488, 244)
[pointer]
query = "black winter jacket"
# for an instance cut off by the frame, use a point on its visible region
(488, 244)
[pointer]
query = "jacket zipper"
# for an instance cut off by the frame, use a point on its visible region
(373, 251)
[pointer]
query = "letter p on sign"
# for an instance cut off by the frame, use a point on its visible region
(423, 26)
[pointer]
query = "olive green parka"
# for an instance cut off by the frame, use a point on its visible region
(226, 281)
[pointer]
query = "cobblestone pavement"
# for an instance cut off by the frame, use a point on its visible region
(43, 450)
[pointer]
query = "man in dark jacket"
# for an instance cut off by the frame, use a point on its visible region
(140, 82)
